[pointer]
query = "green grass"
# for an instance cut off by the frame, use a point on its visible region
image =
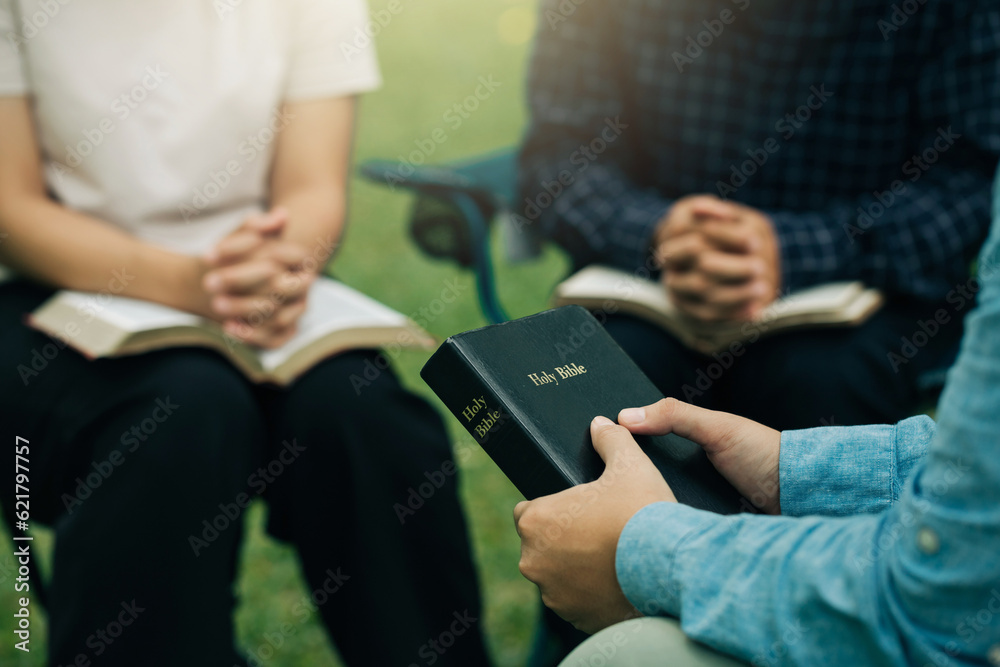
(432, 54)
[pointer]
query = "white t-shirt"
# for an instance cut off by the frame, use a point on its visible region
(160, 116)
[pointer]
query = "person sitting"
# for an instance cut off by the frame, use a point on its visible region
(884, 552)
(740, 150)
(197, 154)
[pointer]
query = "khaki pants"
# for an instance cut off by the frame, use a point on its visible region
(642, 642)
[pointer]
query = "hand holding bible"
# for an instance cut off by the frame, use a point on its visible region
(569, 539)
(256, 281)
(745, 452)
(720, 260)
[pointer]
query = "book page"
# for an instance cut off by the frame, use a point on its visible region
(601, 282)
(126, 314)
(599, 287)
(333, 306)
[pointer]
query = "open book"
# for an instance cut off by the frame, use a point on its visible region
(337, 319)
(604, 288)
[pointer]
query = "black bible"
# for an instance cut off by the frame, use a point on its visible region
(527, 391)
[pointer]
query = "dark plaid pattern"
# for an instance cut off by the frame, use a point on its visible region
(869, 131)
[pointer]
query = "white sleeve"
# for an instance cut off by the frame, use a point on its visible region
(12, 43)
(333, 50)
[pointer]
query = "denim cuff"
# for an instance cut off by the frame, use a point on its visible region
(844, 471)
(647, 549)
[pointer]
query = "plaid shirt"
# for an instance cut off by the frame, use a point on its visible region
(868, 130)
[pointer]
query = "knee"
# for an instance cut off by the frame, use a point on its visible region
(194, 415)
(358, 384)
(357, 400)
(822, 367)
(635, 334)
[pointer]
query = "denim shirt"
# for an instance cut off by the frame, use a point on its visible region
(888, 552)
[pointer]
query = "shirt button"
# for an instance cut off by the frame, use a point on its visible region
(928, 541)
(994, 655)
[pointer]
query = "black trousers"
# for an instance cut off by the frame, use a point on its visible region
(144, 465)
(803, 379)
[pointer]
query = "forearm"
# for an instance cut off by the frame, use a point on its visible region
(774, 590)
(920, 243)
(843, 471)
(771, 590)
(67, 249)
(316, 220)
(310, 174)
(601, 216)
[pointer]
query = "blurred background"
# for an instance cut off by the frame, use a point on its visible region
(432, 53)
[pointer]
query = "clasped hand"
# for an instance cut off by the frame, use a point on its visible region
(720, 260)
(256, 281)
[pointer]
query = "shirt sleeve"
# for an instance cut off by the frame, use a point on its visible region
(917, 235)
(578, 156)
(333, 50)
(915, 584)
(13, 82)
(849, 470)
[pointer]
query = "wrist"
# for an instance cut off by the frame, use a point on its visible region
(659, 235)
(172, 279)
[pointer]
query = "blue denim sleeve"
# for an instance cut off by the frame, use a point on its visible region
(917, 583)
(844, 471)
